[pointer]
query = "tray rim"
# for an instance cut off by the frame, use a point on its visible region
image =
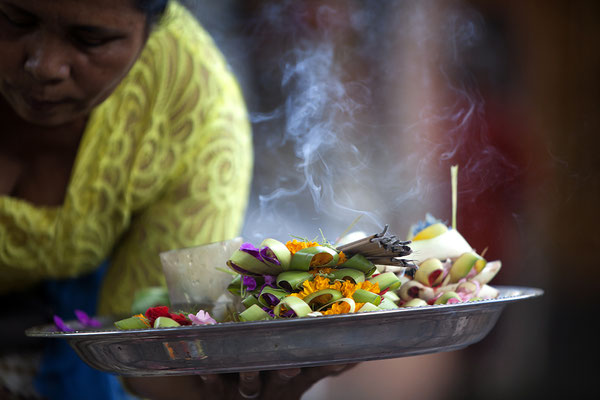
(49, 330)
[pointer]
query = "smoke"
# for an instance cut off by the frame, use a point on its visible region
(468, 137)
(336, 138)
(308, 143)
(459, 62)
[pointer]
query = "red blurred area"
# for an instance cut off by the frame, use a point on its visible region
(529, 173)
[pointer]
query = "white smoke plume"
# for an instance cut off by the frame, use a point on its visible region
(327, 151)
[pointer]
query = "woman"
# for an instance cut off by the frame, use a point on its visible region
(123, 135)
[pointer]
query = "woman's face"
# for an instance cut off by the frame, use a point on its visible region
(61, 58)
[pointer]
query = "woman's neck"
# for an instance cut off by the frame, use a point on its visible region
(21, 131)
(37, 160)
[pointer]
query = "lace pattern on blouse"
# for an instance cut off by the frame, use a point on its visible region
(165, 162)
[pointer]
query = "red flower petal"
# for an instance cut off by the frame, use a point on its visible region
(181, 319)
(154, 312)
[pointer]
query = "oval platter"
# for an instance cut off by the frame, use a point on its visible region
(275, 344)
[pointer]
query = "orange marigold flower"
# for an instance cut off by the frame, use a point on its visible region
(347, 288)
(320, 259)
(342, 258)
(318, 283)
(294, 245)
(339, 308)
(309, 287)
(324, 270)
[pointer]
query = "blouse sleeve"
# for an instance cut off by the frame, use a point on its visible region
(205, 136)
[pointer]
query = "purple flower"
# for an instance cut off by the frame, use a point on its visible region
(249, 282)
(269, 256)
(270, 299)
(250, 249)
(265, 254)
(201, 318)
(60, 324)
(270, 280)
(289, 314)
(269, 311)
(238, 269)
(86, 320)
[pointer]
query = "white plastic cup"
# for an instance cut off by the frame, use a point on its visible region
(193, 277)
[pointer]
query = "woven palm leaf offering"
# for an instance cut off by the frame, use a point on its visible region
(283, 280)
(310, 278)
(297, 279)
(450, 270)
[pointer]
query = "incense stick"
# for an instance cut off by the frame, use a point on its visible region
(380, 249)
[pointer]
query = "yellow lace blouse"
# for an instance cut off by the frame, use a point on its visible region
(165, 162)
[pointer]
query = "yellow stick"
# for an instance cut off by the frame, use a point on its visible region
(348, 229)
(454, 179)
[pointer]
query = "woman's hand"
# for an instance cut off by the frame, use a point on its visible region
(266, 385)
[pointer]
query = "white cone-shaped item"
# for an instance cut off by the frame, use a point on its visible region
(450, 244)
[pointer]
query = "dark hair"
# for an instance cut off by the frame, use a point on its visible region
(154, 9)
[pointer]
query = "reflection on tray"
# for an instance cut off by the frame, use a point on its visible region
(244, 346)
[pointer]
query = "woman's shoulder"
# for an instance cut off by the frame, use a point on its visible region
(179, 42)
(180, 22)
(180, 69)
(178, 97)
(180, 78)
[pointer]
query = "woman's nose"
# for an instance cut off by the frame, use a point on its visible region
(47, 59)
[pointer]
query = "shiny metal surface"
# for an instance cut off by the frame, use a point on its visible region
(261, 345)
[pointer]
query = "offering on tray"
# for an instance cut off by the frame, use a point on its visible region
(450, 271)
(308, 278)
(304, 278)
(162, 317)
(300, 278)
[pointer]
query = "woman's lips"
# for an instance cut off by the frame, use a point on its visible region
(45, 105)
(36, 98)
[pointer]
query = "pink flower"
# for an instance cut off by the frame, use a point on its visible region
(202, 318)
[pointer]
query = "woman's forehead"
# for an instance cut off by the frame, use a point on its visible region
(78, 12)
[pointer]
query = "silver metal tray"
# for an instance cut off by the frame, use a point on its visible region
(263, 345)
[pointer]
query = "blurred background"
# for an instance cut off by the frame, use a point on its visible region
(359, 108)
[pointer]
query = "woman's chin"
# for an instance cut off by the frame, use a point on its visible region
(48, 114)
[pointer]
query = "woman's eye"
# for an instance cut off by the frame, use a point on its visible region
(86, 39)
(91, 41)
